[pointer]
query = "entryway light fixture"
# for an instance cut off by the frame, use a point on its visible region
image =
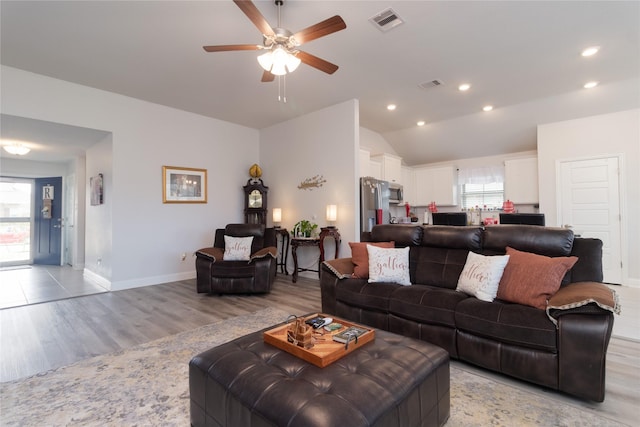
(16, 148)
(278, 61)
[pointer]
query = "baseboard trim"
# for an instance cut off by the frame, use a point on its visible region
(153, 280)
(98, 279)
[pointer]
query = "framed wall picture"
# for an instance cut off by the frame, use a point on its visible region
(97, 190)
(184, 185)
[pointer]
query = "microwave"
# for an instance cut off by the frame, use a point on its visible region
(395, 193)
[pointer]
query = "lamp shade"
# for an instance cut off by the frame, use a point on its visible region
(277, 215)
(332, 213)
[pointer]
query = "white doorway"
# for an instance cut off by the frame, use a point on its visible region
(589, 203)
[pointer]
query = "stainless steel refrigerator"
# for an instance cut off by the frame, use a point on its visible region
(374, 203)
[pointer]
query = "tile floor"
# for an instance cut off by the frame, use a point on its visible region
(41, 283)
(627, 324)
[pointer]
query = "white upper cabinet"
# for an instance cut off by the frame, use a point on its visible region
(391, 167)
(408, 185)
(364, 162)
(436, 184)
(521, 180)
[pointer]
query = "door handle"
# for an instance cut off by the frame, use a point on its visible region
(57, 226)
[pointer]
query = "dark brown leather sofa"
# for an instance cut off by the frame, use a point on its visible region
(214, 275)
(516, 340)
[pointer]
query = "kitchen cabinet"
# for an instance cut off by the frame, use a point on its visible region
(375, 169)
(391, 167)
(409, 185)
(436, 184)
(521, 180)
(364, 162)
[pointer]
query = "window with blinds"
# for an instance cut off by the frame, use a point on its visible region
(490, 195)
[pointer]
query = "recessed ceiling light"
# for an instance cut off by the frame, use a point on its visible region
(590, 51)
(590, 85)
(420, 123)
(391, 107)
(464, 86)
(487, 108)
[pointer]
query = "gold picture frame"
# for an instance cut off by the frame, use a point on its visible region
(184, 185)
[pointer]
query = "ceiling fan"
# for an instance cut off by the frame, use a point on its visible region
(282, 54)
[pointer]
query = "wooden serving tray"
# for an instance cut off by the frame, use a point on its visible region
(325, 350)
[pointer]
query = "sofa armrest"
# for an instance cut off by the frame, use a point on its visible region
(342, 268)
(271, 251)
(214, 254)
(582, 298)
(331, 273)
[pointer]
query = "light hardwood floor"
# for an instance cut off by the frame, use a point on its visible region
(40, 337)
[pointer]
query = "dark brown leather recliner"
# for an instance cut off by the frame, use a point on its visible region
(215, 275)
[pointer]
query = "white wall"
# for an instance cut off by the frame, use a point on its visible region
(99, 218)
(321, 143)
(374, 142)
(602, 135)
(30, 169)
(148, 236)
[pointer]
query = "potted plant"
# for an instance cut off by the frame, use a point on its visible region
(304, 228)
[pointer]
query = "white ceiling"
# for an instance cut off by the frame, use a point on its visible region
(513, 53)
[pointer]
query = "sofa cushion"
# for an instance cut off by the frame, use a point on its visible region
(507, 323)
(360, 293)
(481, 275)
(360, 257)
(443, 236)
(437, 266)
(403, 235)
(425, 304)
(547, 241)
(389, 265)
(532, 279)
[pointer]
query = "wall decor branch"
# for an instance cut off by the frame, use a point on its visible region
(311, 183)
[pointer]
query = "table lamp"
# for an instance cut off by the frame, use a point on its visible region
(277, 217)
(332, 215)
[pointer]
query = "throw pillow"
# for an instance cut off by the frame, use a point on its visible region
(360, 257)
(532, 279)
(389, 265)
(237, 248)
(481, 275)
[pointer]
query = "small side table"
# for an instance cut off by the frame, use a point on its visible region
(329, 232)
(319, 241)
(284, 250)
(295, 243)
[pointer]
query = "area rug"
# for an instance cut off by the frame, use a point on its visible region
(148, 385)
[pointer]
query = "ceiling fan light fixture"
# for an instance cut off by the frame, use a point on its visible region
(278, 61)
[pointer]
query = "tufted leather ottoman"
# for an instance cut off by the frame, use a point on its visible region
(392, 381)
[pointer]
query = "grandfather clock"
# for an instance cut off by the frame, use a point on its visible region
(255, 202)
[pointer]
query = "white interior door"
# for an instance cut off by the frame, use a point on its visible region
(589, 201)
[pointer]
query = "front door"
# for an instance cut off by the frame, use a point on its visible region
(47, 245)
(590, 205)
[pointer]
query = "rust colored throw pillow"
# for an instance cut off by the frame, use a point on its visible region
(532, 279)
(360, 257)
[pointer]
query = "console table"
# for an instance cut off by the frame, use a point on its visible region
(284, 251)
(313, 241)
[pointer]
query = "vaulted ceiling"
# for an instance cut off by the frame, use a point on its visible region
(513, 53)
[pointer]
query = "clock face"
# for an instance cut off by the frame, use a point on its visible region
(255, 199)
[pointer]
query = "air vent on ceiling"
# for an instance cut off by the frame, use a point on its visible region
(386, 20)
(431, 83)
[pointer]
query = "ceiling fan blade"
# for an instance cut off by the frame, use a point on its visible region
(255, 16)
(321, 29)
(267, 77)
(316, 62)
(228, 47)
